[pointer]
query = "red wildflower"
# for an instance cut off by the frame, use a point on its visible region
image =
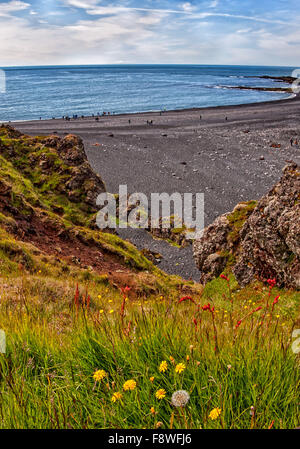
(271, 425)
(238, 324)
(76, 297)
(88, 301)
(257, 309)
(271, 282)
(275, 302)
(224, 277)
(206, 307)
(186, 298)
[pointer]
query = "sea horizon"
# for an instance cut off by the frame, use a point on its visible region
(144, 64)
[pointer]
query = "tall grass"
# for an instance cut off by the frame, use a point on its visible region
(57, 339)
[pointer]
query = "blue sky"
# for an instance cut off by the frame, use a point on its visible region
(44, 32)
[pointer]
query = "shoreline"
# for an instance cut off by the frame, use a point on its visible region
(232, 154)
(292, 96)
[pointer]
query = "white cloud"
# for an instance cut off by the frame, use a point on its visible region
(188, 7)
(145, 36)
(91, 7)
(13, 6)
(84, 4)
(243, 30)
(204, 15)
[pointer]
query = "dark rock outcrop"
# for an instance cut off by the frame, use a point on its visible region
(84, 182)
(53, 156)
(263, 243)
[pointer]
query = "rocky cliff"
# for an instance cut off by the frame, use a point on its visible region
(48, 219)
(257, 240)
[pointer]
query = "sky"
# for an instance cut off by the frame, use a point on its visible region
(52, 32)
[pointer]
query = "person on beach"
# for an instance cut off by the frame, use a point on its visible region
(291, 140)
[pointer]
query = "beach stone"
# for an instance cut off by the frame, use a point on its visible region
(266, 246)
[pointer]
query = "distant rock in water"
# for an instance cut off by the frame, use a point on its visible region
(257, 240)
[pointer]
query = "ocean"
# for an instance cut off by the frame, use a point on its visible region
(56, 91)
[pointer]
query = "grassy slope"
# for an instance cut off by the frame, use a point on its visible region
(56, 341)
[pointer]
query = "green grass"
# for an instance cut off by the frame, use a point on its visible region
(54, 347)
(55, 344)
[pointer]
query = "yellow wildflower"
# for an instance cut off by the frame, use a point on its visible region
(215, 413)
(152, 410)
(110, 300)
(117, 396)
(187, 358)
(129, 385)
(101, 311)
(163, 366)
(111, 311)
(99, 375)
(180, 367)
(151, 378)
(160, 394)
(171, 359)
